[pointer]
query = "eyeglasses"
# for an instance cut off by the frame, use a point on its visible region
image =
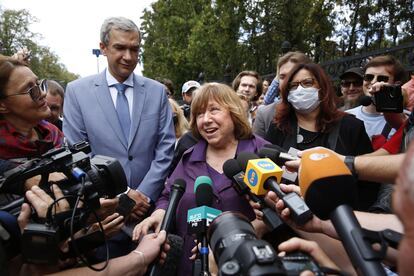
(379, 78)
(354, 83)
(35, 91)
(305, 83)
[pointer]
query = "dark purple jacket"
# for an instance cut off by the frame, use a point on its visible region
(193, 164)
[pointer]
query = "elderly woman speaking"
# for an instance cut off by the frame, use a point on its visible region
(23, 109)
(220, 124)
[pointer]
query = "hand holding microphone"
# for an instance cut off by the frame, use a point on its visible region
(234, 172)
(162, 219)
(262, 176)
(199, 219)
(330, 190)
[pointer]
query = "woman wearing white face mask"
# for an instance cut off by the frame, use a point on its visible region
(307, 117)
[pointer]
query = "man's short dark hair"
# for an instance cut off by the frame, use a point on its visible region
(398, 70)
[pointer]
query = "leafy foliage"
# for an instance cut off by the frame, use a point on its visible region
(15, 34)
(184, 37)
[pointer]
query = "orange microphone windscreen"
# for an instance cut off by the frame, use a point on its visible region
(325, 182)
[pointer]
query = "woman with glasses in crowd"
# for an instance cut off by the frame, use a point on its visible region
(24, 131)
(307, 117)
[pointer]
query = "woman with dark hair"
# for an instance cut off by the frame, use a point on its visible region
(307, 117)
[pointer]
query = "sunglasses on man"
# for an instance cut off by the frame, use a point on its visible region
(379, 78)
(355, 83)
(35, 92)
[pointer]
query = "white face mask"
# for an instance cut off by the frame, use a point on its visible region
(304, 100)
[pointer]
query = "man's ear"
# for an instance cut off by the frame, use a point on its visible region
(102, 46)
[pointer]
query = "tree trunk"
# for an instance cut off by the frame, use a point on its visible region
(352, 38)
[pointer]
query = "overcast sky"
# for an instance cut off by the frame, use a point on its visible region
(71, 28)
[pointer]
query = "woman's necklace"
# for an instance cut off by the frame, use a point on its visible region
(300, 139)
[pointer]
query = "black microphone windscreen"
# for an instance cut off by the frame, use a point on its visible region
(180, 184)
(169, 268)
(231, 167)
(365, 100)
(325, 194)
(271, 153)
(204, 195)
(244, 157)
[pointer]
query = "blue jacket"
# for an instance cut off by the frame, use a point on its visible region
(89, 114)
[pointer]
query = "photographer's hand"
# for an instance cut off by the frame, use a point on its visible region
(315, 225)
(135, 263)
(376, 87)
(152, 222)
(111, 225)
(309, 247)
(212, 265)
(150, 246)
(108, 206)
(35, 180)
(41, 201)
(142, 204)
(24, 216)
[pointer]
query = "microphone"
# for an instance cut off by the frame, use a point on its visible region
(329, 190)
(279, 156)
(276, 154)
(203, 190)
(177, 191)
(365, 100)
(199, 218)
(263, 175)
(234, 172)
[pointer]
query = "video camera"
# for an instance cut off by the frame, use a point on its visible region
(389, 99)
(237, 250)
(88, 179)
(104, 176)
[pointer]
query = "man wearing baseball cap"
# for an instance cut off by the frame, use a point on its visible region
(351, 87)
(187, 93)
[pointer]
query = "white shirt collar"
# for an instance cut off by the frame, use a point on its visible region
(111, 80)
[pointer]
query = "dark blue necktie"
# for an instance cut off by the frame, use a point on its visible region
(122, 108)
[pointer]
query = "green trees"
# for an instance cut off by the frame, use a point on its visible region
(15, 35)
(183, 38)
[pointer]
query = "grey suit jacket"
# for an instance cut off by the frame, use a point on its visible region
(264, 117)
(89, 114)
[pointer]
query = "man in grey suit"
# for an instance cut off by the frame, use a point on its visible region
(266, 113)
(124, 115)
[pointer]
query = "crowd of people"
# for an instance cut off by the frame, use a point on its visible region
(157, 140)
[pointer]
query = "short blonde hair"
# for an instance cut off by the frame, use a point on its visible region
(181, 126)
(226, 97)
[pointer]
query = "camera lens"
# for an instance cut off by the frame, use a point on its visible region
(227, 232)
(236, 249)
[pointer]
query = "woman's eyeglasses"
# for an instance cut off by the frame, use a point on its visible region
(380, 78)
(305, 83)
(35, 91)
